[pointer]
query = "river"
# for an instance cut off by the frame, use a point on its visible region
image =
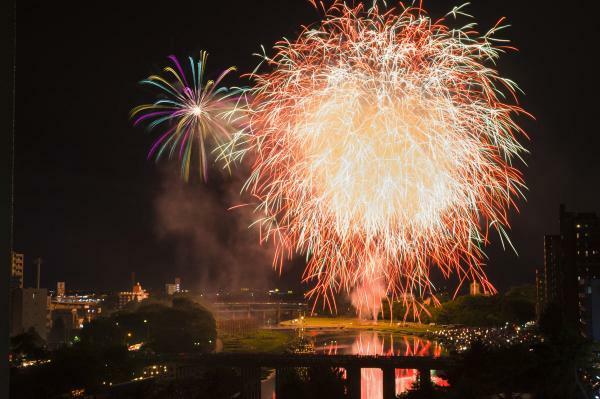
(369, 343)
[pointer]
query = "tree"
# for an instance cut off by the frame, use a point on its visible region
(184, 327)
(102, 355)
(476, 311)
(28, 344)
(564, 352)
(516, 306)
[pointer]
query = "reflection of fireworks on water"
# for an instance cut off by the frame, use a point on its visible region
(370, 343)
(372, 379)
(384, 147)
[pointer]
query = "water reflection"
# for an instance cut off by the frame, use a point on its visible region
(369, 343)
(373, 343)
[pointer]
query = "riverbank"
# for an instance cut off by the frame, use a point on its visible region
(349, 323)
(263, 341)
(278, 339)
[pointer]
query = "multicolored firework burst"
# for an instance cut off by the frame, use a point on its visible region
(193, 111)
(384, 145)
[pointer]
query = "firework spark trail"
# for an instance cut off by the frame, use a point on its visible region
(384, 144)
(194, 111)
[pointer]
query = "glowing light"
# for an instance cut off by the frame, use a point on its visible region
(135, 347)
(383, 147)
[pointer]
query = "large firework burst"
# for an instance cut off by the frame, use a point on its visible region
(193, 110)
(384, 145)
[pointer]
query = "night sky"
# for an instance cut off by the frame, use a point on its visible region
(89, 203)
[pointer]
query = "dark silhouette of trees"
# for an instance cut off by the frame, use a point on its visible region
(515, 306)
(317, 382)
(564, 352)
(215, 383)
(549, 369)
(28, 344)
(183, 327)
(100, 356)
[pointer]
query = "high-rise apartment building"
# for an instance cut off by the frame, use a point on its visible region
(540, 290)
(571, 274)
(17, 267)
(553, 283)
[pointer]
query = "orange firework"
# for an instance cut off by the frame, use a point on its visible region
(384, 147)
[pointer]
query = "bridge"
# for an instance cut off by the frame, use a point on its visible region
(259, 310)
(251, 363)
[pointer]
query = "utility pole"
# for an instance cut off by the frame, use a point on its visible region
(38, 261)
(8, 174)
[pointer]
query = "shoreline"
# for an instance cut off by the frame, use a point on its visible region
(355, 324)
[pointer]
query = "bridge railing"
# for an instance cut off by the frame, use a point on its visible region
(250, 364)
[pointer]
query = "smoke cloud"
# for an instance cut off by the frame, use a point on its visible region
(214, 245)
(367, 298)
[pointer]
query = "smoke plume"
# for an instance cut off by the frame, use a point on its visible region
(214, 244)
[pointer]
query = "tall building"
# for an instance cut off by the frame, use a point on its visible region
(553, 284)
(572, 270)
(29, 308)
(17, 266)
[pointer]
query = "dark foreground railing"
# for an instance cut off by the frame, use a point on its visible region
(250, 364)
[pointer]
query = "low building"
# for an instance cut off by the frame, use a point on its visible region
(475, 288)
(174, 288)
(171, 289)
(29, 308)
(137, 294)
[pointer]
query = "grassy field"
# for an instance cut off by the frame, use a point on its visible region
(277, 341)
(356, 324)
(266, 341)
